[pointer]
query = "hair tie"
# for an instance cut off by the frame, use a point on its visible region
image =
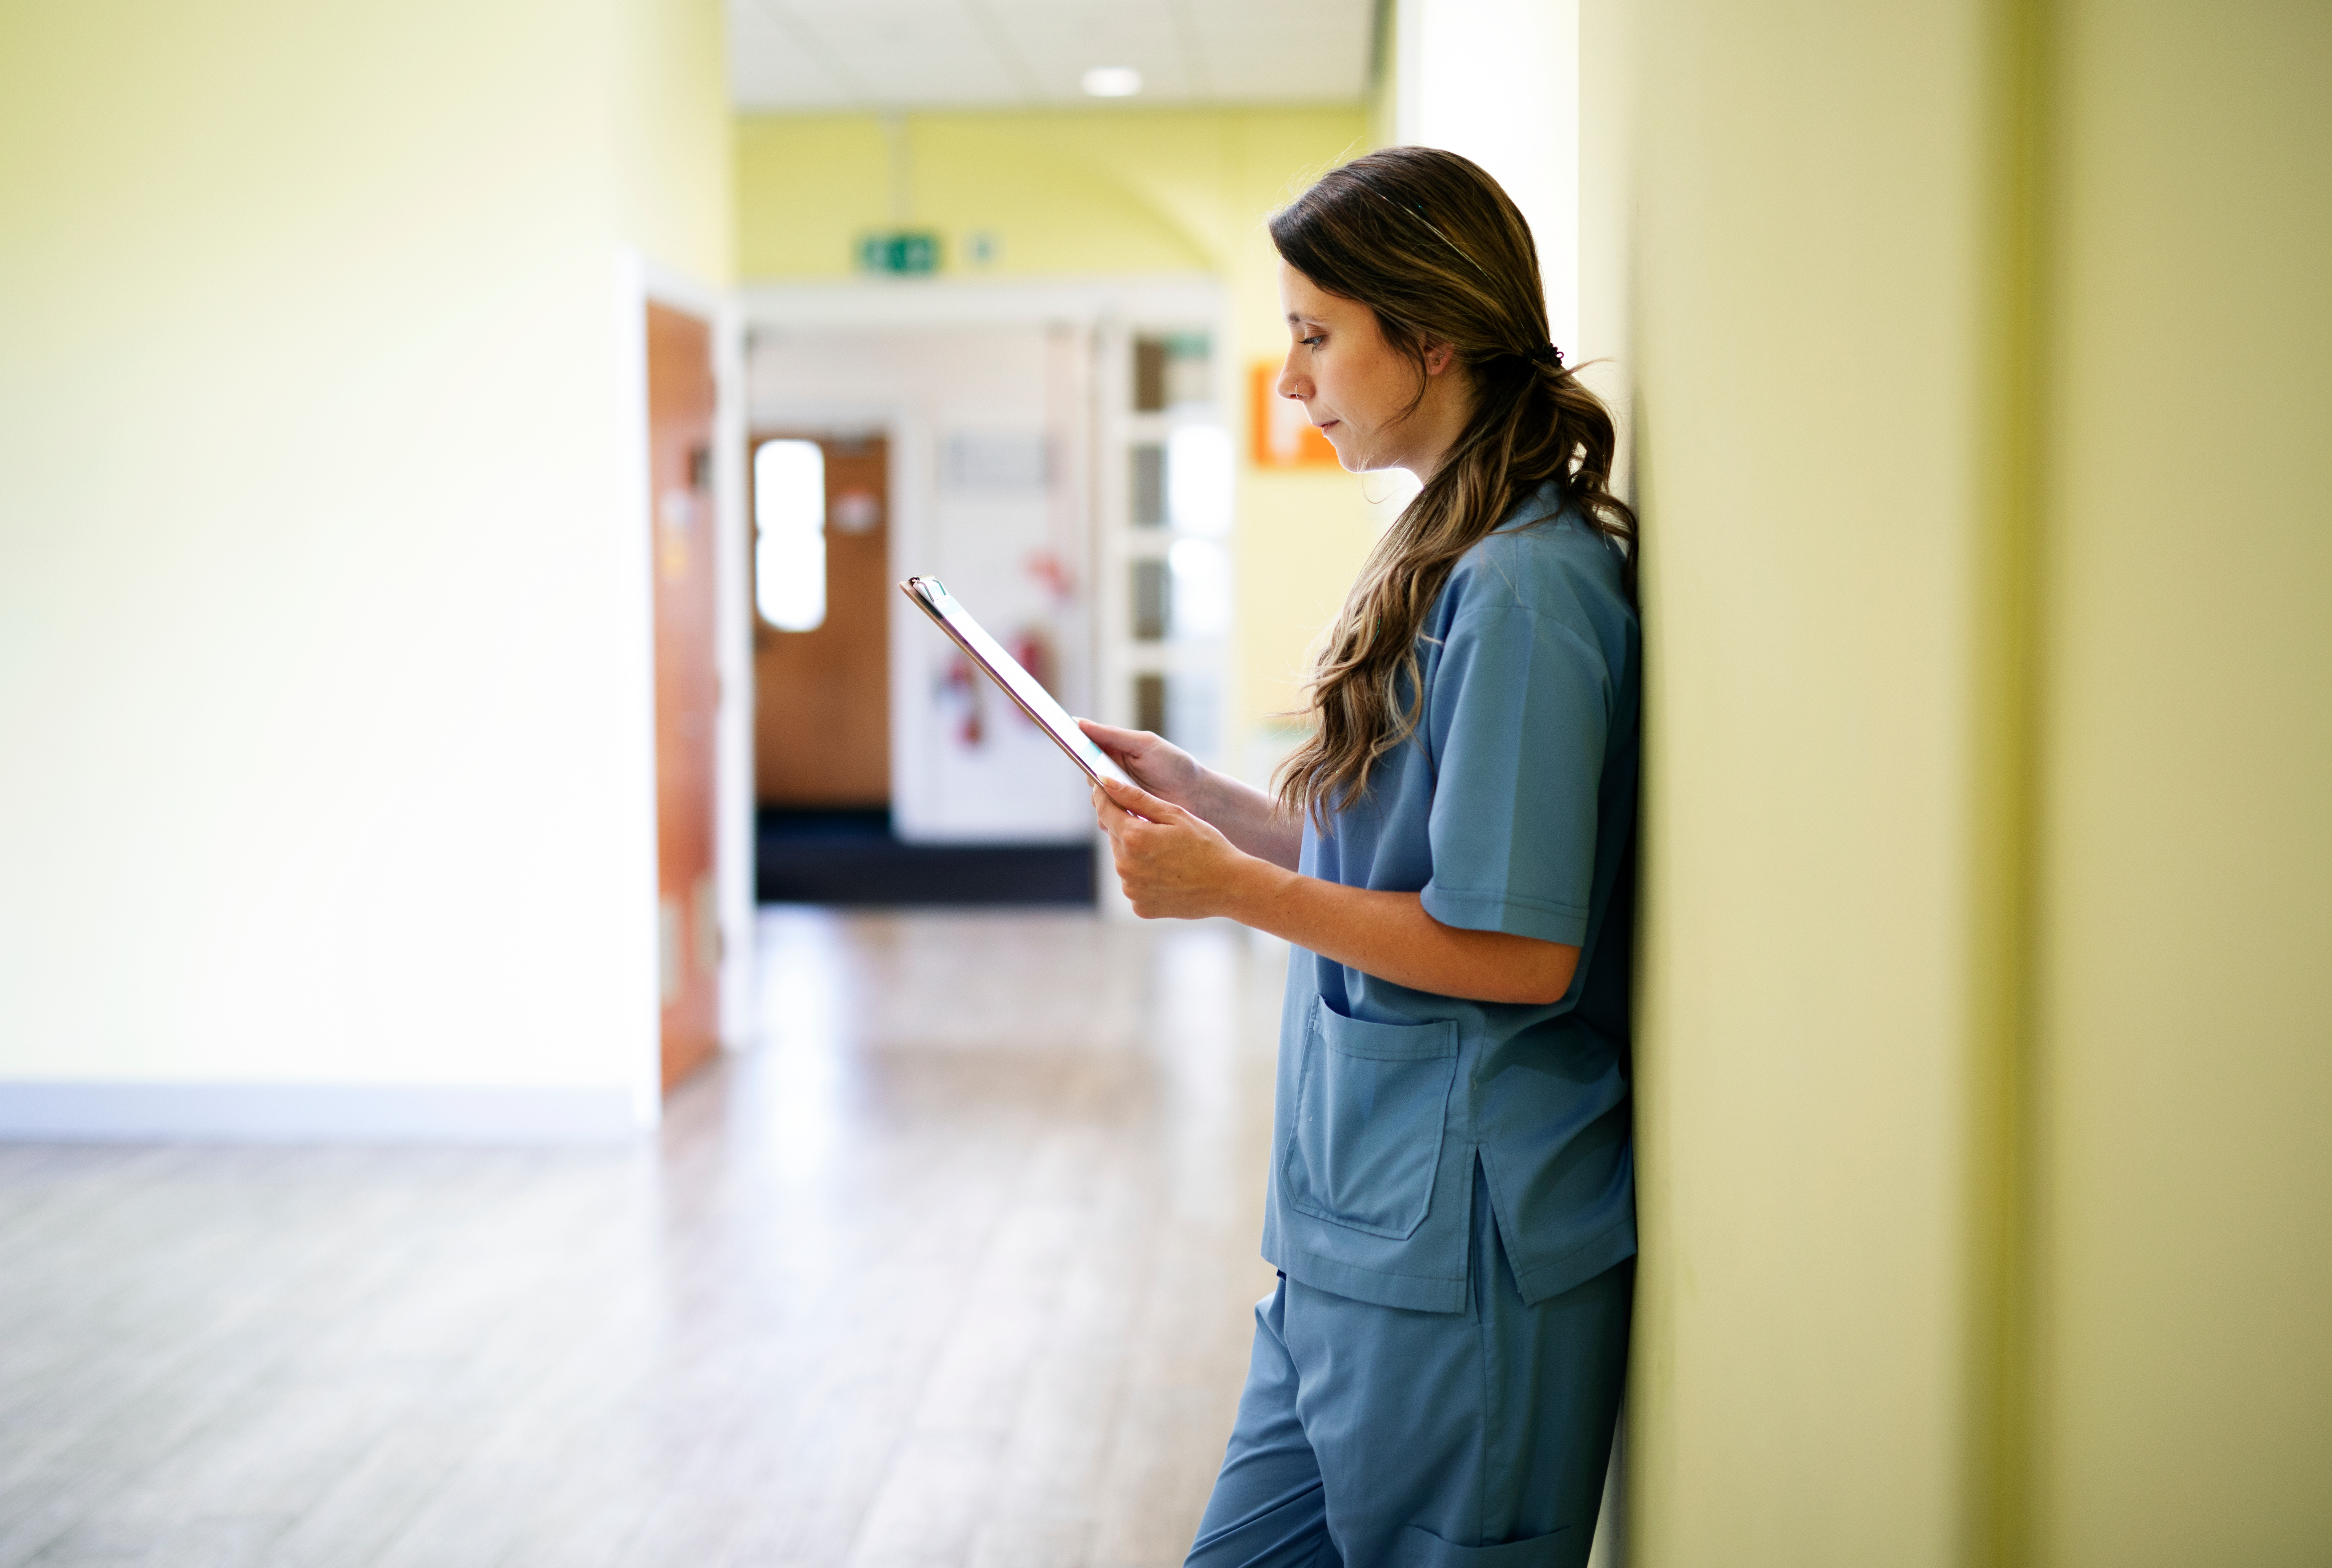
(1545, 354)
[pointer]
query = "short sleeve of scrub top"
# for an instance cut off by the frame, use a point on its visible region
(1518, 720)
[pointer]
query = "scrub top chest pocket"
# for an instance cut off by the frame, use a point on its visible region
(1372, 1101)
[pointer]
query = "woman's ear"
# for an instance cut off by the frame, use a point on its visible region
(1438, 356)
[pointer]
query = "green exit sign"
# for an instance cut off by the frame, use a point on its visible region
(909, 252)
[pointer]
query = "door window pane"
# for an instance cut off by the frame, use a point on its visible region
(1198, 594)
(1152, 607)
(1199, 480)
(1148, 485)
(789, 528)
(1150, 703)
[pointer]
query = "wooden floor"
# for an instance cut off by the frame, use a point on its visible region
(955, 1268)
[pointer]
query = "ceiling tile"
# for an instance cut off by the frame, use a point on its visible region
(1061, 41)
(873, 54)
(767, 69)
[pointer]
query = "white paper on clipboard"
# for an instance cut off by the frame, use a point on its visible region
(930, 597)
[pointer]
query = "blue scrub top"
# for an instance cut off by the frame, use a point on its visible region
(1513, 809)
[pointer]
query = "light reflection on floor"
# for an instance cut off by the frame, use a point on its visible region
(1028, 1148)
(952, 1267)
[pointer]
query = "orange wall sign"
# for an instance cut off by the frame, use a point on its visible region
(1283, 436)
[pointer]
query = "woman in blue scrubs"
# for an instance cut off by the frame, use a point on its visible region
(1451, 1194)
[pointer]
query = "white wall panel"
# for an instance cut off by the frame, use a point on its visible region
(1497, 80)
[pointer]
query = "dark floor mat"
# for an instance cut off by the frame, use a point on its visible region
(852, 857)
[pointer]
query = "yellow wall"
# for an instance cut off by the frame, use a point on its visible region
(1985, 1067)
(1087, 192)
(322, 653)
(2184, 1237)
(669, 134)
(1065, 192)
(1811, 337)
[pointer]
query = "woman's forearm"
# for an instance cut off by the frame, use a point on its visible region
(1177, 860)
(1392, 936)
(1250, 819)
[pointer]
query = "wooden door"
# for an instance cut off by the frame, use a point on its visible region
(822, 723)
(687, 691)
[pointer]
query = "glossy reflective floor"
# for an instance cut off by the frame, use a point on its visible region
(955, 1268)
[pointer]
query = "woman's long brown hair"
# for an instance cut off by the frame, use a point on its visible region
(1436, 250)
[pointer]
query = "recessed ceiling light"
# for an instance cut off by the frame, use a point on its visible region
(1112, 81)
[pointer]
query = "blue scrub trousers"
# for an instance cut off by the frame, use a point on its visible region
(1374, 1437)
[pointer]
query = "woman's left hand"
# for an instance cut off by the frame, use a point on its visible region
(1171, 864)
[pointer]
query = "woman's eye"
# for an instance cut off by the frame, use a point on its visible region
(1315, 342)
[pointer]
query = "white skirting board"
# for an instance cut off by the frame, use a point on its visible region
(53, 1111)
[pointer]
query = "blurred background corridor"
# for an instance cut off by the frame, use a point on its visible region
(545, 1017)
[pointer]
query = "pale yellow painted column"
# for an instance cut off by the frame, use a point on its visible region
(2184, 1242)
(1986, 1070)
(1812, 358)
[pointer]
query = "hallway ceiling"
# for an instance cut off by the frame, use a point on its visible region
(842, 54)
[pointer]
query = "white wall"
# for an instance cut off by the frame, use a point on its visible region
(323, 636)
(1497, 80)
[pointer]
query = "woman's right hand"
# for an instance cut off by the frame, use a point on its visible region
(1153, 762)
(1250, 819)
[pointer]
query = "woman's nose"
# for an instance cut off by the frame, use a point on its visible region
(1291, 383)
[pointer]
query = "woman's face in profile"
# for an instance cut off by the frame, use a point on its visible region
(1355, 386)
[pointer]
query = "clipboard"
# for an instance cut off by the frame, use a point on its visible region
(930, 597)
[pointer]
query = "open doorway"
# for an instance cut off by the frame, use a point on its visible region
(1012, 433)
(823, 586)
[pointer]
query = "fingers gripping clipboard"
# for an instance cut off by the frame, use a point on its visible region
(930, 597)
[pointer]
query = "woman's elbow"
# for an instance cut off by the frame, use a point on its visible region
(1542, 974)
